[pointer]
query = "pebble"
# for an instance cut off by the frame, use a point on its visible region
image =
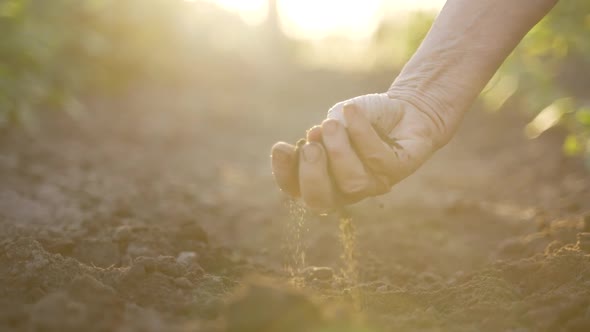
(186, 257)
(319, 273)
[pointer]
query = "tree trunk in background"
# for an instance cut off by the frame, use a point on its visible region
(279, 44)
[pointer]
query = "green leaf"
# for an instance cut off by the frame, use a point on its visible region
(11, 8)
(572, 145)
(583, 116)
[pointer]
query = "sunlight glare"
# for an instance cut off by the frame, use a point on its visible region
(319, 19)
(251, 11)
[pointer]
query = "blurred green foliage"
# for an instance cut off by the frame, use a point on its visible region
(396, 39)
(53, 53)
(549, 73)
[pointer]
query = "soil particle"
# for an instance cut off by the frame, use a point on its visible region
(101, 253)
(187, 257)
(312, 273)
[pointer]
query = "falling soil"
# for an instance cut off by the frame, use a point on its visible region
(135, 219)
(350, 270)
(295, 235)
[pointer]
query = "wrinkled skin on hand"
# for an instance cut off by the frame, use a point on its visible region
(365, 146)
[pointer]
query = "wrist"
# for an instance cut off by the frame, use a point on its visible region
(443, 118)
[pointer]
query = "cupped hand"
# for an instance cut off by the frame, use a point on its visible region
(365, 146)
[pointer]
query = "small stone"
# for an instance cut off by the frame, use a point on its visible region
(186, 257)
(317, 272)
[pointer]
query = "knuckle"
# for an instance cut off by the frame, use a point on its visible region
(358, 130)
(336, 151)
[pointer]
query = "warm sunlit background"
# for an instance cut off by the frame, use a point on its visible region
(137, 192)
(330, 28)
(117, 43)
(312, 19)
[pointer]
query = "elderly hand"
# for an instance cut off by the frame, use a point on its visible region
(366, 145)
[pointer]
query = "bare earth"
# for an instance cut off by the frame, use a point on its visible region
(154, 212)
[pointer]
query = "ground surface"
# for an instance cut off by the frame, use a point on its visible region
(155, 213)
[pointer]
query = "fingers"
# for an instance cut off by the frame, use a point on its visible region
(288, 165)
(314, 134)
(314, 179)
(284, 168)
(349, 172)
(372, 150)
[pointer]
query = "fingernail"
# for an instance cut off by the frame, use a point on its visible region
(314, 134)
(312, 129)
(280, 156)
(311, 152)
(330, 127)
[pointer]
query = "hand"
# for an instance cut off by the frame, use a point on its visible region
(366, 145)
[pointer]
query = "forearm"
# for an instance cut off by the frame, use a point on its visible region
(467, 43)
